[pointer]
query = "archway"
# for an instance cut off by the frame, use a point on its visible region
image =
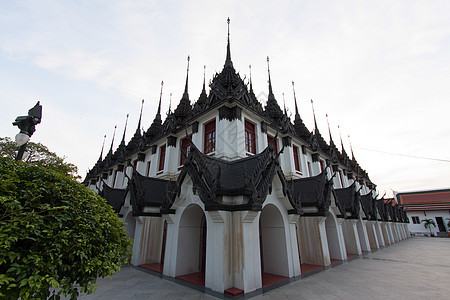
(191, 249)
(333, 239)
(274, 261)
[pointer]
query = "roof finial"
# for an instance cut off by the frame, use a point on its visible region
(351, 148)
(160, 98)
(204, 80)
(112, 141)
(270, 82)
(228, 62)
(314, 114)
(125, 129)
(340, 136)
(170, 103)
(103, 146)
(295, 101)
(329, 130)
(140, 117)
(284, 103)
(187, 76)
(250, 80)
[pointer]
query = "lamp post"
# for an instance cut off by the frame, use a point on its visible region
(27, 125)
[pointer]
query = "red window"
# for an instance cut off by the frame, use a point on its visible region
(148, 169)
(185, 147)
(210, 137)
(135, 163)
(250, 139)
(162, 157)
(296, 159)
(275, 144)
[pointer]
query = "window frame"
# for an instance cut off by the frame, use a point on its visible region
(270, 139)
(250, 136)
(209, 143)
(186, 148)
(162, 157)
(296, 156)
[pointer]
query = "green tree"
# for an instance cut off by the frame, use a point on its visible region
(428, 223)
(56, 236)
(39, 155)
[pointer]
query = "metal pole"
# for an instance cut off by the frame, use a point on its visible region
(21, 152)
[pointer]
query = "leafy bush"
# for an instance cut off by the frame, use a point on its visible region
(54, 234)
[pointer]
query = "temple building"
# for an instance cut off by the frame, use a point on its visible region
(428, 204)
(234, 196)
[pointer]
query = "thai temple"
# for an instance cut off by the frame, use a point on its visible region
(234, 196)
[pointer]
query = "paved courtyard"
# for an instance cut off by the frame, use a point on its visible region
(417, 268)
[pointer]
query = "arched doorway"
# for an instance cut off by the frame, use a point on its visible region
(274, 261)
(333, 239)
(191, 250)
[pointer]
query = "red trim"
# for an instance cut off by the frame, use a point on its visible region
(209, 144)
(250, 137)
(162, 157)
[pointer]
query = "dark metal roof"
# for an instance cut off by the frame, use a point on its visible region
(313, 191)
(250, 177)
(114, 197)
(348, 200)
(369, 206)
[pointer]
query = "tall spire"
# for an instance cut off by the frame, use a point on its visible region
(187, 79)
(314, 114)
(158, 114)
(170, 103)
(112, 141)
(228, 62)
(270, 82)
(340, 136)
(329, 130)
(103, 146)
(351, 148)
(138, 130)
(250, 70)
(295, 101)
(204, 79)
(284, 104)
(124, 131)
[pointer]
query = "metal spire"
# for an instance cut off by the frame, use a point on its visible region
(112, 141)
(125, 129)
(284, 103)
(187, 77)
(270, 82)
(103, 146)
(340, 136)
(204, 76)
(160, 98)
(295, 101)
(140, 118)
(250, 70)
(314, 114)
(228, 62)
(329, 130)
(170, 103)
(351, 148)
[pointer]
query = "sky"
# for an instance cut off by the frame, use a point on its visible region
(379, 69)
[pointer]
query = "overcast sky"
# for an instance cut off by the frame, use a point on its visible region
(379, 69)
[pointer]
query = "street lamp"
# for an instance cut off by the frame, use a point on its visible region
(27, 125)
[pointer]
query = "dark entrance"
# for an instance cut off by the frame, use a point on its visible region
(440, 223)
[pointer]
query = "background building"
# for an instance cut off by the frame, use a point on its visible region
(431, 204)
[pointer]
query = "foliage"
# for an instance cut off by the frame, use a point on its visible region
(428, 223)
(39, 155)
(56, 236)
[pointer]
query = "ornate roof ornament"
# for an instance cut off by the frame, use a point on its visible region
(135, 140)
(250, 79)
(228, 62)
(184, 108)
(272, 108)
(101, 153)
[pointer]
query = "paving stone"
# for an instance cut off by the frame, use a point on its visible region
(413, 269)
